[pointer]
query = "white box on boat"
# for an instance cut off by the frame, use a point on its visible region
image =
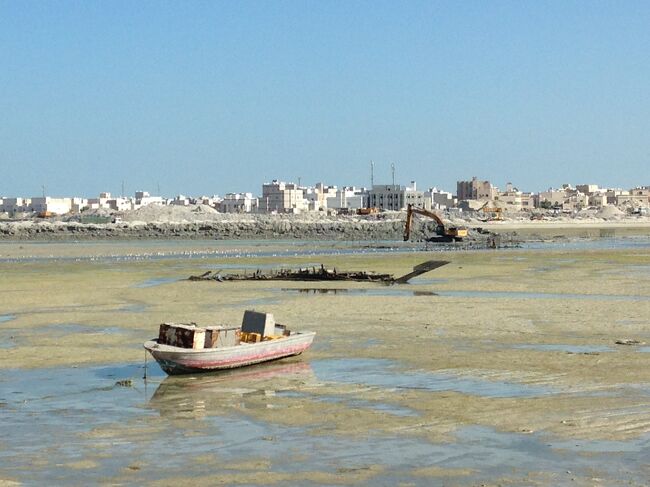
(222, 336)
(184, 336)
(256, 322)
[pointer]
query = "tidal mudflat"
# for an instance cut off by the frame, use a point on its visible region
(501, 367)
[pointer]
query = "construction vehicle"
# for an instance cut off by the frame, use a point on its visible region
(368, 211)
(443, 233)
(493, 213)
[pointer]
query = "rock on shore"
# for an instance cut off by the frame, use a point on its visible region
(203, 222)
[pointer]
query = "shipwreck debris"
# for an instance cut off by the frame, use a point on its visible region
(321, 274)
(629, 341)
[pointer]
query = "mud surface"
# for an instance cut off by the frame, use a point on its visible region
(500, 369)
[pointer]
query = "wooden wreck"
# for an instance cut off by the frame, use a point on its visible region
(320, 274)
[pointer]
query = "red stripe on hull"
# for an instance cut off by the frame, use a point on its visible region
(243, 360)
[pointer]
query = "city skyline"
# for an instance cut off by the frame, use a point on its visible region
(217, 97)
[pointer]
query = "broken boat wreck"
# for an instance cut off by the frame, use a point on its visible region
(321, 274)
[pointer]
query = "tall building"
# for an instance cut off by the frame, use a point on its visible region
(475, 190)
(281, 197)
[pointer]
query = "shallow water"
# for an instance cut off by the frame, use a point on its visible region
(234, 249)
(5, 318)
(387, 374)
(60, 425)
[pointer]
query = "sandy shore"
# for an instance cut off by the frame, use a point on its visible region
(525, 340)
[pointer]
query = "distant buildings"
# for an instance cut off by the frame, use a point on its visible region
(281, 197)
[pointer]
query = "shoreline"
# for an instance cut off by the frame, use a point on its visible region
(295, 227)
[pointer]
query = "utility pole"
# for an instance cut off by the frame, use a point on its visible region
(43, 189)
(372, 174)
(392, 168)
(122, 188)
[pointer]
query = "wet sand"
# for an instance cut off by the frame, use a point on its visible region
(501, 367)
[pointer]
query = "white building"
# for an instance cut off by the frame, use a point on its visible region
(238, 203)
(213, 201)
(181, 200)
(47, 204)
(143, 198)
(438, 199)
(348, 198)
(395, 197)
(15, 205)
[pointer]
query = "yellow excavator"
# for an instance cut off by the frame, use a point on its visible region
(443, 233)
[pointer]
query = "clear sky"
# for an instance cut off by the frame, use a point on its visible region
(211, 97)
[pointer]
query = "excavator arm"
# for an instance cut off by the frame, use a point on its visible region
(442, 230)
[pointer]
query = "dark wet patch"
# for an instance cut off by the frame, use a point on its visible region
(386, 374)
(134, 308)
(268, 301)
(527, 295)
(544, 347)
(157, 281)
(378, 291)
(75, 328)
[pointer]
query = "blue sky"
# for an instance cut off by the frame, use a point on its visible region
(209, 97)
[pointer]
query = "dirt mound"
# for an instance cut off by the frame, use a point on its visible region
(171, 213)
(609, 212)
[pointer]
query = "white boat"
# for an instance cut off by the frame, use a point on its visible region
(241, 346)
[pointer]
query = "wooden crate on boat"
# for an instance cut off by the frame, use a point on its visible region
(251, 337)
(179, 335)
(222, 336)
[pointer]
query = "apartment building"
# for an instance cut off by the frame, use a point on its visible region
(395, 197)
(475, 190)
(281, 197)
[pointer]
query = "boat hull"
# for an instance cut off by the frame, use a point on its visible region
(176, 360)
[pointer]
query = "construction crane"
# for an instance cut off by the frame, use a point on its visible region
(443, 233)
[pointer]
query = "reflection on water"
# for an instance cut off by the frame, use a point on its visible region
(406, 291)
(215, 393)
(379, 291)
